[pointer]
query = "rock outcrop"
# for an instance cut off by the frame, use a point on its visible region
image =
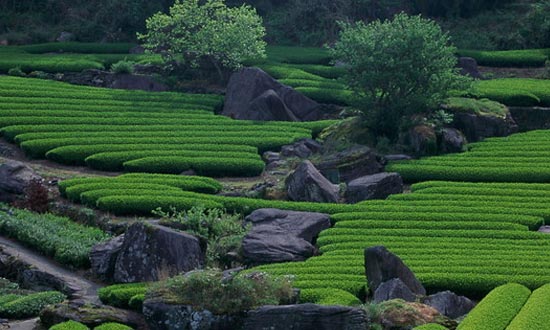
(307, 184)
(162, 316)
(376, 186)
(381, 266)
(451, 140)
(147, 253)
(279, 235)
(306, 317)
(350, 164)
(15, 177)
(252, 94)
(477, 127)
(450, 304)
(393, 289)
(468, 67)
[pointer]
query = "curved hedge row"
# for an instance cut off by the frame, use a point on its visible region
(497, 309)
(533, 315)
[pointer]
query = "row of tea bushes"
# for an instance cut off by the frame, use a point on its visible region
(517, 158)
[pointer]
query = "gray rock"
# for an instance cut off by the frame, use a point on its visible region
(302, 148)
(468, 67)
(162, 316)
(397, 157)
(350, 164)
(103, 257)
(137, 82)
(381, 266)
(253, 94)
(477, 127)
(279, 235)
(544, 229)
(306, 317)
(271, 156)
(306, 225)
(393, 289)
(92, 315)
(307, 184)
(14, 178)
(450, 304)
(150, 252)
(137, 50)
(65, 36)
(451, 140)
(376, 186)
(422, 139)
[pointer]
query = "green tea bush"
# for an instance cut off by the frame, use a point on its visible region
(223, 232)
(531, 316)
(120, 295)
(113, 326)
(16, 72)
(30, 305)
(430, 326)
(508, 58)
(328, 297)
(497, 309)
(123, 67)
(66, 241)
(206, 290)
(69, 325)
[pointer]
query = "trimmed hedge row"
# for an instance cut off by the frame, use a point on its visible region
(69, 325)
(508, 58)
(516, 91)
(114, 161)
(190, 183)
(328, 296)
(119, 295)
(497, 309)
(430, 326)
(533, 315)
(29, 305)
(77, 154)
(78, 47)
(66, 241)
(207, 166)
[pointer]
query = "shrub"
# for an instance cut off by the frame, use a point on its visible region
(223, 232)
(209, 32)
(206, 290)
(328, 297)
(123, 66)
(112, 326)
(69, 325)
(531, 315)
(121, 295)
(497, 309)
(430, 326)
(397, 68)
(30, 305)
(36, 197)
(66, 241)
(16, 72)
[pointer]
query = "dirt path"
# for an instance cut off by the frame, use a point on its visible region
(81, 287)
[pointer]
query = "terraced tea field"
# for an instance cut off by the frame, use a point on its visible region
(116, 130)
(518, 158)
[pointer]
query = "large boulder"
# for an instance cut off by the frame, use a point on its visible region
(376, 186)
(279, 235)
(468, 67)
(103, 257)
(352, 163)
(381, 266)
(302, 148)
(306, 317)
(15, 177)
(254, 95)
(479, 126)
(450, 304)
(451, 140)
(90, 314)
(148, 253)
(307, 184)
(393, 289)
(162, 316)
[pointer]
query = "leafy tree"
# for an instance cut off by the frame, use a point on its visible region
(397, 68)
(211, 33)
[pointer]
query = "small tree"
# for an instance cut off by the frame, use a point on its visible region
(397, 68)
(208, 34)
